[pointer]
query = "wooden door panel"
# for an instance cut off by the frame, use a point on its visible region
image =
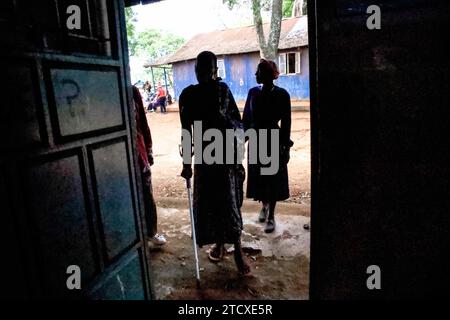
(41, 25)
(12, 269)
(20, 114)
(56, 208)
(125, 283)
(85, 101)
(111, 174)
(85, 21)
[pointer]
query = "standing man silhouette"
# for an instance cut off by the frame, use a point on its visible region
(218, 188)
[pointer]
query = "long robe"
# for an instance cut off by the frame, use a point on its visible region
(218, 188)
(144, 146)
(264, 109)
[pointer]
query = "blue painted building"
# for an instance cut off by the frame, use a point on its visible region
(237, 51)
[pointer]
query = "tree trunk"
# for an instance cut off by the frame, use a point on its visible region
(275, 29)
(268, 50)
(299, 8)
(256, 8)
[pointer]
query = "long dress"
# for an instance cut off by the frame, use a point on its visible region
(264, 109)
(144, 146)
(218, 188)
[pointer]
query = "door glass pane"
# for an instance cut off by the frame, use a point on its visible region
(76, 26)
(282, 63)
(291, 63)
(69, 10)
(85, 24)
(297, 62)
(221, 68)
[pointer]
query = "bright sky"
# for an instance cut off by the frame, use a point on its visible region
(187, 18)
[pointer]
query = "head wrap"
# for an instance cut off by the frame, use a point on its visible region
(270, 66)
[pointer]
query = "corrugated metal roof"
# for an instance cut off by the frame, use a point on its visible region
(294, 33)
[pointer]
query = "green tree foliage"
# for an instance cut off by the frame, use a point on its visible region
(154, 44)
(287, 8)
(130, 17)
(151, 44)
(288, 5)
(268, 45)
(265, 4)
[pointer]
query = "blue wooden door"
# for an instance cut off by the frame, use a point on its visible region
(69, 187)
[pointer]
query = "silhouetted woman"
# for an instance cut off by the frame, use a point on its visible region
(144, 146)
(266, 106)
(218, 188)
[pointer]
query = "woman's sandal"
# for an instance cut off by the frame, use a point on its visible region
(243, 267)
(216, 253)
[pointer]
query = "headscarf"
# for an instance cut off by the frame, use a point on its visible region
(271, 67)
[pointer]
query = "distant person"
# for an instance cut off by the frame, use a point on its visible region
(147, 94)
(267, 105)
(145, 159)
(218, 188)
(160, 100)
(147, 86)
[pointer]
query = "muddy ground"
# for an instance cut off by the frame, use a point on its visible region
(279, 261)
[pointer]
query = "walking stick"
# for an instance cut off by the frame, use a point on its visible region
(194, 238)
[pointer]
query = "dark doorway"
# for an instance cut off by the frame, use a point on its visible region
(280, 260)
(380, 192)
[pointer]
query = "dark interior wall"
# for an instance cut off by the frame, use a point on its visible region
(380, 117)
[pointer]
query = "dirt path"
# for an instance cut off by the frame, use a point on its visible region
(166, 134)
(279, 261)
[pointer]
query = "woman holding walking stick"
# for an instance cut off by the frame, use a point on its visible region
(218, 188)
